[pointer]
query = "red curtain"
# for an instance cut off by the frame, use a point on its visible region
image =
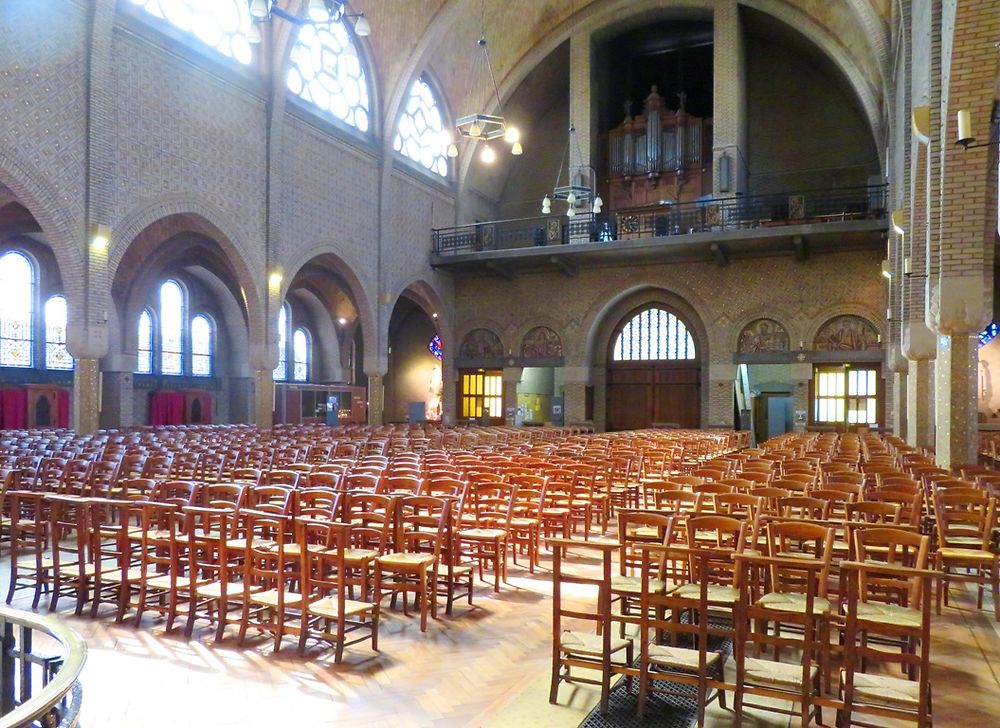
(62, 408)
(13, 409)
(166, 408)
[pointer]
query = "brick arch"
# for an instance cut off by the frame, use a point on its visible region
(174, 214)
(551, 335)
(346, 270)
(466, 341)
(62, 233)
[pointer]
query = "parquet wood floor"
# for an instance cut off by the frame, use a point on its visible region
(486, 666)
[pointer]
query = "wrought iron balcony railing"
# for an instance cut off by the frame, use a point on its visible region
(703, 216)
(39, 689)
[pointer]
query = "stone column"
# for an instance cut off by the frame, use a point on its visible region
(721, 381)
(920, 348)
(117, 408)
(581, 108)
(729, 123)
(801, 373)
(511, 377)
(263, 397)
(376, 399)
(86, 396)
(449, 391)
(899, 366)
(575, 382)
(957, 436)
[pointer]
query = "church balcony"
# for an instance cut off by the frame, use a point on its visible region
(720, 230)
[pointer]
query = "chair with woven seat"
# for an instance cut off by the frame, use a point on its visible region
(695, 662)
(158, 549)
(965, 524)
(636, 528)
(372, 519)
(423, 526)
(877, 693)
(115, 571)
(326, 612)
(30, 568)
(525, 522)
(575, 648)
(71, 566)
(487, 534)
(799, 602)
(271, 576)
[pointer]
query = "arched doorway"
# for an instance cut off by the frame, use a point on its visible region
(413, 383)
(653, 371)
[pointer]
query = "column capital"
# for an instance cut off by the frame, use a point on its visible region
(86, 342)
(896, 362)
(957, 305)
(918, 342)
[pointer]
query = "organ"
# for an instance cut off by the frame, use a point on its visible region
(659, 157)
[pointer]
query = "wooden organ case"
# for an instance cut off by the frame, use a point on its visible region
(655, 159)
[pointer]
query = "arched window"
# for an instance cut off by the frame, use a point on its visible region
(172, 316)
(281, 371)
(144, 359)
(201, 346)
(654, 334)
(420, 132)
(301, 351)
(17, 305)
(327, 71)
(56, 354)
(219, 24)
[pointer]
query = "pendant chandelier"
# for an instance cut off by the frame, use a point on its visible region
(486, 127)
(320, 12)
(580, 187)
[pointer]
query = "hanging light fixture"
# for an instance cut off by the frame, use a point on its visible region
(580, 186)
(318, 12)
(487, 127)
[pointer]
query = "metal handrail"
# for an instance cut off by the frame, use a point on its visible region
(74, 655)
(706, 215)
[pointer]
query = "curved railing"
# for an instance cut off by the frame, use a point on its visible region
(22, 671)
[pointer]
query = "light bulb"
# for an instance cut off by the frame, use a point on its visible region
(253, 34)
(598, 204)
(512, 135)
(453, 150)
(571, 199)
(517, 150)
(475, 130)
(546, 205)
(571, 211)
(317, 11)
(488, 156)
(363, 28)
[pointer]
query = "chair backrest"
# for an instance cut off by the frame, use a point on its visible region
(791, 538)
(874, 512)
(803, 506)
(274, 499)
(372, 518)
(423, 524)
(317, 503)
(178, 493)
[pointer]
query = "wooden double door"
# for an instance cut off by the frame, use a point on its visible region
(640, 394)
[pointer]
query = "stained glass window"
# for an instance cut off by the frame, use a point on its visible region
(281, 371)
(988, 334)
(172, 317)
(327, 71)
(201, 346)
(219, 24)
(654, 334)
(17, 281)
(56, 354)
(420, 133)
(144, 360)
(434, 347)
(300, 355)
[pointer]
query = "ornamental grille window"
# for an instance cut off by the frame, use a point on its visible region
(219, 24)
(420, 133)
(654, 335)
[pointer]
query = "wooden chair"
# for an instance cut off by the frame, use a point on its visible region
(423, 525)
(636, 528)
(879, 694)
(965, 525)
(695, 662)
(214, 589)
(271, 573)
(30, 568)
(372, 518)
(491, 506)
(581, 649)
(71, 566)
(327, 614)
(162, 571)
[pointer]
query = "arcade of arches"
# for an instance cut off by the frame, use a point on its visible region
(197, 227)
